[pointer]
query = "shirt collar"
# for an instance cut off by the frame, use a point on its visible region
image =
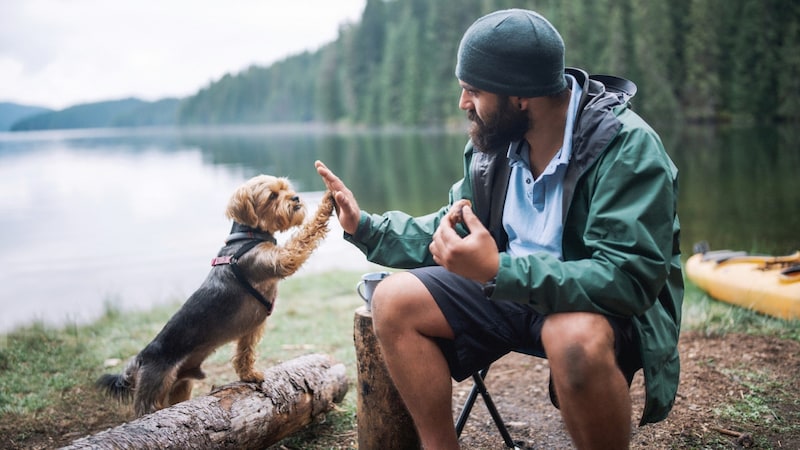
(516, 155)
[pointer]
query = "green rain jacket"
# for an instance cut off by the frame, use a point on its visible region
(620, 244)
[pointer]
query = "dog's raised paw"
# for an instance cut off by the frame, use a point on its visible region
(328, 203)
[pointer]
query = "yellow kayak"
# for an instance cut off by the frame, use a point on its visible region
(767, 284)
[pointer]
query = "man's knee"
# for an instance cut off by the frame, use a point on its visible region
(579, 346)
(387, 298)
(394, 301)
(401, 303)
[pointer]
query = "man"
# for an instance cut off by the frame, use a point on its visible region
(569, 249)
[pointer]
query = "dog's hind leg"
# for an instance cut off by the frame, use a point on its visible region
(182, 388)
(153, 385)
(245, 358)
(181, 391)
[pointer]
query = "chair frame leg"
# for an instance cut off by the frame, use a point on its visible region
(480, 388)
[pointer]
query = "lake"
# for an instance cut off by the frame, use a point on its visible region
(132, 217)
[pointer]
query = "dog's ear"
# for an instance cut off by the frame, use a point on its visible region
(241, 208)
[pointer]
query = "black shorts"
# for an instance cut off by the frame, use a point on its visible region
(485, 330)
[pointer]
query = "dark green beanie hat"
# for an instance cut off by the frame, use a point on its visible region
(512, 52)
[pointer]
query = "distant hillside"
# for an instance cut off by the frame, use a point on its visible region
(115, 113)
(161, 112)
(12, 112)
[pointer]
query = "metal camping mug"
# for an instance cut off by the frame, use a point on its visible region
(366, 286)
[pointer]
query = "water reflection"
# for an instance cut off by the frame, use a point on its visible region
(739, 188)
(134, 216)
(409, 171)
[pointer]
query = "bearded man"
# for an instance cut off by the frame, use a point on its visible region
(560, 241)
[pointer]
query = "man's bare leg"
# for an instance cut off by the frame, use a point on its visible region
(580, 349)
(406, 319)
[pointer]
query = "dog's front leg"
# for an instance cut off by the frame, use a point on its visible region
(245, 358)
(297, 250)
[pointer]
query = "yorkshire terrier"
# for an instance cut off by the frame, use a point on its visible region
(233, 302)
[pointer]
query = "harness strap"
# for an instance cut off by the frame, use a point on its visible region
(221, 260)
(241, 232)
(233, 261)
(243, 279)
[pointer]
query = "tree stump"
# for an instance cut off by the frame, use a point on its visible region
(382, 417)
(238, 415)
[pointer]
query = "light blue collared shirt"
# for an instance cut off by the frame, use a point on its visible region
(532, 213)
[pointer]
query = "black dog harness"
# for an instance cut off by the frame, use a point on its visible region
(254, 237)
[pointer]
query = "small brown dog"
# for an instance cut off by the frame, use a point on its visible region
(234, 301)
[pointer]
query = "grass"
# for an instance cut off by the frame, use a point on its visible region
(314, 315)
(755, 406)
(703, 313)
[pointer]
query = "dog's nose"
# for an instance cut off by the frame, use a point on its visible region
(295, 199)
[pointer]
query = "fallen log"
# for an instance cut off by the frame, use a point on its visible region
(238, 415)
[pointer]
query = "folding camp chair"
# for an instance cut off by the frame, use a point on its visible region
(479, 388)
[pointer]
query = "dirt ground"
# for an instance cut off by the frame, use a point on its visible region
(719, 375)
(715, 371)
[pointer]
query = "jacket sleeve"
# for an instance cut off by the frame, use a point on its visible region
(396, 239)
(618, 236)
(399, 240)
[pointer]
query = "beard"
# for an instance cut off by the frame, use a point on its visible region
(505, 125)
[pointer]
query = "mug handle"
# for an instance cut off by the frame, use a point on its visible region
(358, 290)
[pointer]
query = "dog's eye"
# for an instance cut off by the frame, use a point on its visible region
(273, 195)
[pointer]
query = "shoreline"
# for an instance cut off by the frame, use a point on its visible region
(171, 280)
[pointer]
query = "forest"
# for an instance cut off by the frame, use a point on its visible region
(695, 60)
(711, 61)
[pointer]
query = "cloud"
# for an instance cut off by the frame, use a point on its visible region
(57, 53)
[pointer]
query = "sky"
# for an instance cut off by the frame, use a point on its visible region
(59, 53)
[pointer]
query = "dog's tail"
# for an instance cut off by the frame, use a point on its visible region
(120, 386)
